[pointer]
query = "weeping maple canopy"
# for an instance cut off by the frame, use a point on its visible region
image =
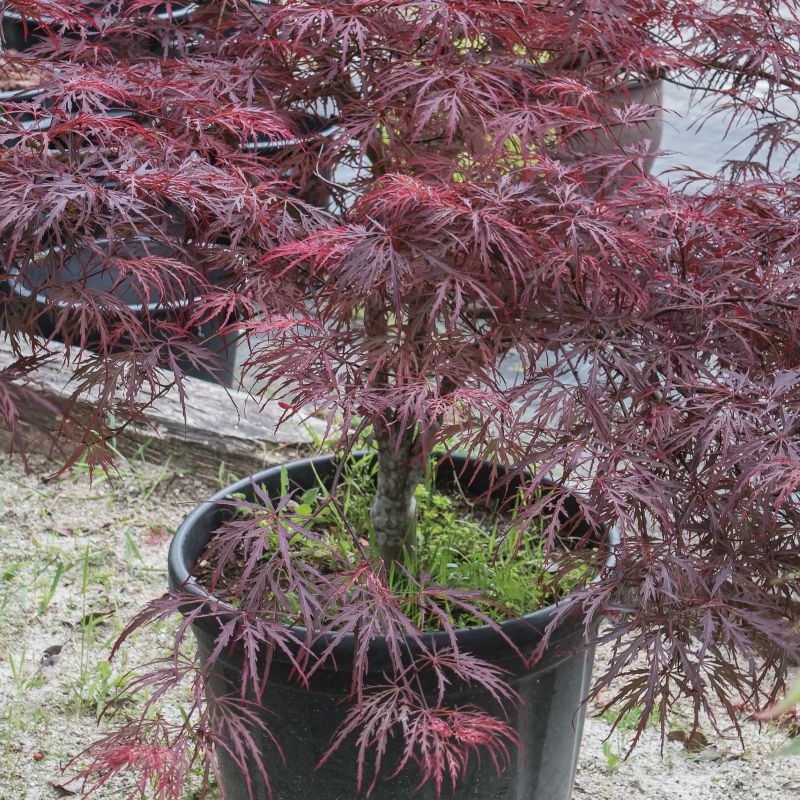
(461, 190)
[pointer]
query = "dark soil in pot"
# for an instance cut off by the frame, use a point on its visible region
(304, 721)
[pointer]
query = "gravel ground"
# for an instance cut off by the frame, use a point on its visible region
(77, 560)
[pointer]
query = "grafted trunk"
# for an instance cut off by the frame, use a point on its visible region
(393, 510)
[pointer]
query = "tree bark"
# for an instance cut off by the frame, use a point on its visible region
(394, 509)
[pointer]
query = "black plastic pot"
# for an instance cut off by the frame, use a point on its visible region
(312, 131)
(309, 129)
(644, 91)
(304, 720)
(87, 268)
(20, 33)
(19, 109)
(180, 13)
(14, 111)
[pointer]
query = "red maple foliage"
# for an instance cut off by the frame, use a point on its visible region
(462, 187)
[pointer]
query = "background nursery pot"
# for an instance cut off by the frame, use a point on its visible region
(312, 132)
(618, 138)
(55, 315)
(304, 721)
(20, 33)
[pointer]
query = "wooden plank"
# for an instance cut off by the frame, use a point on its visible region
(219, 424)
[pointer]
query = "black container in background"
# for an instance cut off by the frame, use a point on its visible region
(13, 115)
(17, 114)
(304, 720)
(644, 91)
(20, 33)
(311, 131)
(87, 267)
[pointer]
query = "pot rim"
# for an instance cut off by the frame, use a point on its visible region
(29, 93)
(162, 16)
(43, 124)
(13, 95)
(41, 298)
(181, 577)
(280, 144)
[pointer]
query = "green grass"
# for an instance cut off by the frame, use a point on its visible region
(459, 545)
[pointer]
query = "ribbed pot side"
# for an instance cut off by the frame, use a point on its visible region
(549, 720)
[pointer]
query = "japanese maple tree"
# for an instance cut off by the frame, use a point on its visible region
(480, 204)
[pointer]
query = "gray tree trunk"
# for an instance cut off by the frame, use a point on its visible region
(394, 511)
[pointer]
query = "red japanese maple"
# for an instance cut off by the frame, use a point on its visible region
(483, 200)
